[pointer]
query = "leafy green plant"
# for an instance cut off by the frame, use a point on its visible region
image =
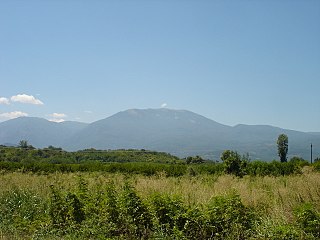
(316, 165)
(168, 211)
(133, 214)
(278, 231)
(100, 211)
(65, 209)
(308, 218)
(274, 168)
(234, 163)
(227, 214)
(21, 210)
(195, 225)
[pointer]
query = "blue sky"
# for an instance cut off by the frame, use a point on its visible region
(250, 62)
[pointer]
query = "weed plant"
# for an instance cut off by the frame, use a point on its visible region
(99, 205)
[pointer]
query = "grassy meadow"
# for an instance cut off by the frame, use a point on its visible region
(268, 207)
(138, 194)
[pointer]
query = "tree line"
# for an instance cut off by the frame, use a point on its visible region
(52, 159)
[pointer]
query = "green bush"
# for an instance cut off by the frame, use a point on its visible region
(234, 163)
(174, 220)
(278, 231)
(227, 215)
(316, 165)
(133, 214)
(66, 209)
(308, 219)
(195, 224)
(299, 161)
(209, 168)
(274, 168)
(22, 211)
(102, 213)
(168, 212)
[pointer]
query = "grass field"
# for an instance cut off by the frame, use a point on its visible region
(284, 207)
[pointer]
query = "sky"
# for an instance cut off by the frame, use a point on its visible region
(235, 62)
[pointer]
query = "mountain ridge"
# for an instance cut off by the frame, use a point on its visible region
(179, 132)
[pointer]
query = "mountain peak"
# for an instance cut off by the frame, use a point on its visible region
(179, 132)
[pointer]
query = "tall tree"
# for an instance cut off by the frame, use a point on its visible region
(23, 144)
(282, 143)
(234, 163)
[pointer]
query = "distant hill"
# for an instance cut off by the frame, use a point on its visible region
(260, 141)
(179, 132)
(37, 131)
(73, 126)
(176, 131)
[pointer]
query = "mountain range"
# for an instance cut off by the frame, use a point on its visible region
(179, 132)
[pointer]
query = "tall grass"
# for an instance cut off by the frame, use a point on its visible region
(283, 207)
(283, 192)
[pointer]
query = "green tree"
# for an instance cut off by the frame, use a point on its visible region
(282, 143)
(23, 144)
(234, 163)
(196, 159)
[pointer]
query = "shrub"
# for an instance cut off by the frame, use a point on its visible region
(21, 210)
(308, 219)
(316, 165)
(209, 168)
(66, 209)
(168, 212)
(234, 163)
(227, 215)
(299, 161)
(195, 226)
(274, 168)
(100, 210)
(278, 231)
(133, 214)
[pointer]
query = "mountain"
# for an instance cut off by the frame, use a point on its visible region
(73, 126)
(260, 141)
(37, 131)
(185, 133)
(174, 131)
(179, 132)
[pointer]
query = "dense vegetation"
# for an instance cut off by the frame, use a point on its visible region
(144, 162)
(102, 205)
(58, 155)
(138, 194)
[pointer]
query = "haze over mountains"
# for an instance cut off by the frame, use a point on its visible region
(180, 132)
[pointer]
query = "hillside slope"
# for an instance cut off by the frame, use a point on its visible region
(179, 132)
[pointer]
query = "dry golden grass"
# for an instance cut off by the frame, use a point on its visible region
(276, 196)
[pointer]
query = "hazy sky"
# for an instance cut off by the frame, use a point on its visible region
(250, 62)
